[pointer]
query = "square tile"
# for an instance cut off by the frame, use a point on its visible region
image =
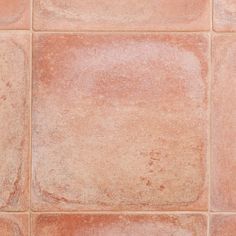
(223, 225)
(119, 121)
(15, 14)
(192, 15)
(119, 225)
(224, 123)
(14, 120)
(14, 224)
(225, 15)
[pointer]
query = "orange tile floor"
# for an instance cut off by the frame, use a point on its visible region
(118, 118)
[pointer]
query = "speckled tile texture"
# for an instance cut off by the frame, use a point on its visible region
(117, 118)
(224, 123)
(121, 103)
(14, 117)
(118, 225)
(225, 15)
(14, 224)
(122, 15)
(15, 14)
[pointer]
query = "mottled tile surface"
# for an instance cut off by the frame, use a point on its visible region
(13, 224)
(14, 120)
(14, 14)
(224, 123)
(119, 225)
(122, 15)
(223, 225)
(119, 121)
(225, 15)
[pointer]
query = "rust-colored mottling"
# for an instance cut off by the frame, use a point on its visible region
(14, 120)
(14, 14)
(223, 225)
(122, 15)
(119, 225)
(224, 123)
(119, 121)
(13, 224)
(225, 15)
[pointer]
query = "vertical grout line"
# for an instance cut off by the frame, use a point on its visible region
(209, 133)
(30, 124)
(209, 119)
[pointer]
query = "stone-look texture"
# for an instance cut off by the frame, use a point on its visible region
(14, 14)
(225, 15)
(180, 15)
(223, 225)
(14, 120)
(119, 121)
(119, 225)
(13, 224)
(224, 123)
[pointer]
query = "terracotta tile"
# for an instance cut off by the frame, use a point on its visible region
(14, 118)
(223, 225)
(14, 14)
(180, 15)
(119, 225)
(119, 121)
(13, 224)
(224, 123)
(225, 15)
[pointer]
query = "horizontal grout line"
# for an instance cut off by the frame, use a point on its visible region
(100, 31)
(119, 212)
(117, 31)
(122, 30)
(223, 33)
(143, 32)
(15, 30)
(14, 213)
(223, 212)
(122, 212)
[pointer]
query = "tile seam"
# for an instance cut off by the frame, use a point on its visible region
(209, 119)
(123, 212)
(119, 212)
(31, 82)
(120, 31)
(112, 31)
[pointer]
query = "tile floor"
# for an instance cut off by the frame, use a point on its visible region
(118, 118)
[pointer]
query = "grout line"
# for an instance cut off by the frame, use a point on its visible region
(14, 212)
(209, 120)
(120, 212)
(114, 32)
(209, 135)
(124, 212)
(14, 30)
(30, 124)
(31, 73)
(224, 213)
(111, 31)
(30, 223)
(120, 31)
